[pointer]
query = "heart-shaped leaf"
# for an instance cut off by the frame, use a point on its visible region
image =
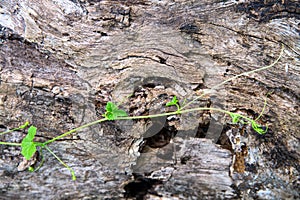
(27, 145)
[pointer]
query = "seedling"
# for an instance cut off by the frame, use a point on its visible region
(237, 118)
(174, 102)
(112, 111)
(259, 129)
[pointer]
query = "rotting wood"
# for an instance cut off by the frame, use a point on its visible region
(62, 60)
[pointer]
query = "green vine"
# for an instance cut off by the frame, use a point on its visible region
(29, 146)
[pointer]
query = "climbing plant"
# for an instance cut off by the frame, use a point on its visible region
(112, 112)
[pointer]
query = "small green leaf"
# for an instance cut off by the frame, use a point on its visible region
(109, 116)
(258, 128)
(27, 145)
(173, 102)
(31, 133)
(31, 169)
(110, 106)
(112, 111)
(169, 103)
(119, 113)
(235, 118)
(28, 149)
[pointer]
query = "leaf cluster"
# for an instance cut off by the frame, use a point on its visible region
(174, 102)
(113, 112)
(258, 128)
(29, 147)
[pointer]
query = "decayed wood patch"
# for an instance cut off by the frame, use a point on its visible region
(61, 61)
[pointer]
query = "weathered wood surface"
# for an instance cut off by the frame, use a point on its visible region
(61, 61)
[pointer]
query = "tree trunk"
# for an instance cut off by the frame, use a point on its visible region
(62, 61)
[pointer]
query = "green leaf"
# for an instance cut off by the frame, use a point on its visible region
(169, 104)
(119, 113)
(28, 149)
(109, 116)
(110, 107)
(173, 102)
(112, 111)
(235, 118)
(27, 145)
(258, 128)
(31, 169)
(31, 133)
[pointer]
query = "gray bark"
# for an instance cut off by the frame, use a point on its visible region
(62, 61)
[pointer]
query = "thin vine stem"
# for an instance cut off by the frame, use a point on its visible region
(64, 164)
(263, 109)
(237, 76)
(11, 143)
(113, 113)
(16, 129)
(74, 130)
(181, 112)
(144, 117)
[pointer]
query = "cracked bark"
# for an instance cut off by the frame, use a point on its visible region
(61, 61)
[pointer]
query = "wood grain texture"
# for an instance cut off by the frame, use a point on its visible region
(61, 61)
